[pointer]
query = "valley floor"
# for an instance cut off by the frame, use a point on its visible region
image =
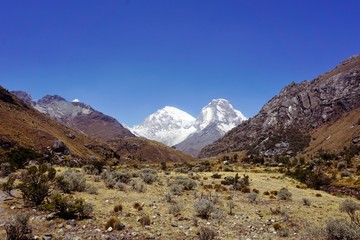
(261, 216)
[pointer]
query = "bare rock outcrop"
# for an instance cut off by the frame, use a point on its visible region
(299, 107)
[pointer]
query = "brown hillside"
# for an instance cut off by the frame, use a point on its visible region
(143, 150)
(336, 135)
(21, 125)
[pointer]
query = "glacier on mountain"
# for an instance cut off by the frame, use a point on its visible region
(173, 126)
(168, 125)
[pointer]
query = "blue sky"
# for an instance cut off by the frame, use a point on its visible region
(128, 58)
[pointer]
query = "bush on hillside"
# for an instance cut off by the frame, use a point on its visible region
(68, 207)
(35, 183)
(70, 181)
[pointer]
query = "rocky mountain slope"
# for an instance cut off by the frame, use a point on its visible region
(23, 126)
(284, 124)
(78, 115)
(168, 125)
(215, 119)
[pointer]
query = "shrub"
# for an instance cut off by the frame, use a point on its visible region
(340, 229)
(137, 185)
(176, 189)
(216, 176)
(231, 206)
(120, 186)
(206, 233)
(341, 165)
(5, 169)
(168, 197)
(17, 228)
(284, 194)
(122, 176)
(175, 209)
(114, 223)
(274, 193)
(118, 208)
(266, 193)
(68, 207)
(163, 166)
(145, 220)
(345, 173)
(70, 181)
(252, 197)
(306, 201)
(35, 183)
(19, 157)
(187, 183)
(277, 226)
(284, 232)
(148, 177)
(9, 185)
(204, 208)
(137, 206)
(350, 208)
(91, 189)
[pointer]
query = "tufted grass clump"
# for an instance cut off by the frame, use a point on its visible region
(284, 194)
(114, 223)
(118, 208)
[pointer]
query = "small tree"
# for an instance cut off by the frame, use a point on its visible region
(35, 184)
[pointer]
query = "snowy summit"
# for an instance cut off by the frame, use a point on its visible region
(168, 125)
(173, 126)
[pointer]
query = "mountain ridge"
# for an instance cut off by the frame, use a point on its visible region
(302, 106)
(78, 115)
(175, 127)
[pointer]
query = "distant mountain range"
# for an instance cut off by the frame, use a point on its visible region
(78, 115)
(175, 127)
(53, 128)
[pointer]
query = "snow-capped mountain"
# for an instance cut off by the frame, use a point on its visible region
(173, 126)
(220, 112)
(77, 115)
(168, 125)
(216, 119)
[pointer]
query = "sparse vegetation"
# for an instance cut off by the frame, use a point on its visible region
(114, 223)
(284, 194)
(68, 207)
(17, 228)
(118, 208)
(35, 183)
(71, 181)
(206, 233)
(8, 186)
(352, 209)
(204, 207)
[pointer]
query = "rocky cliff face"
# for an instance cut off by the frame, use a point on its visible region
(298, 108)
(78, 115)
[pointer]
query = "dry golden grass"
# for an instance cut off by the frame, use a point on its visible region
(248, 219)
(336, 135)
